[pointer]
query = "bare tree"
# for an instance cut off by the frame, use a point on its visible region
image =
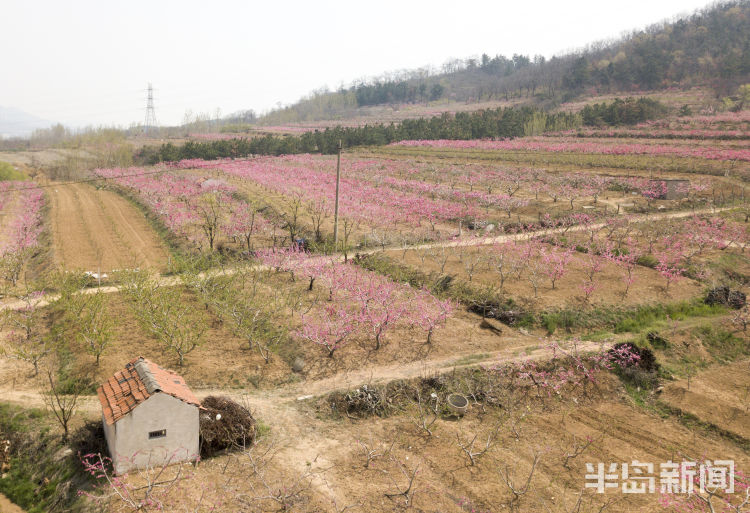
(348, 226)
(211, 210)
(407, 490)
(427, 412)
(292, 217)
(372, 451)
(268, 485)
(440, 255)
(471, 262)
(474, 452)
(320, 210)
(62, 399)
(95, 326)
(27, 341)
(582, 503)
(518, 492)
(163, 312)
(577, 447)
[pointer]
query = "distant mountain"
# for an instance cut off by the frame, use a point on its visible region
(710, 47)
(17, 123)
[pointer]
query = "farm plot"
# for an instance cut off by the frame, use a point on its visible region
(337, 317)
(618, 262)
(728, 126)
(95, 229)
(545, 276)
(109, 328)
(700, 247)
(446, 478)
(561, 145)
(648, 163)
(310, 181)
(387, 201)
(200, 211)
(20, 227)
(316, 315)
(719, 395)
(717, 145)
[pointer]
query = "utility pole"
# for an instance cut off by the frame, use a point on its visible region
(336, 207)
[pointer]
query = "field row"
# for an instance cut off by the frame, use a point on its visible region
(573, 145)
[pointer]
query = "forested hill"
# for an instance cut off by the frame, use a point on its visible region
(710, 47)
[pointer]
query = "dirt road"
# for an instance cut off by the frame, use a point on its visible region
(479, 241)
(486, 241)
(94, 228)
(276, 397)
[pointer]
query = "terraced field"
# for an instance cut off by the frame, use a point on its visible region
(97, 229)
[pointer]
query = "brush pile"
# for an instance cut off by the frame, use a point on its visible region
(224, 424)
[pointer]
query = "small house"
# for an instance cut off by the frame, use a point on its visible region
(150, 417)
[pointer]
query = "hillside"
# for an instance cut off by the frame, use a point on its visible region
(709, 48)
(17, 123)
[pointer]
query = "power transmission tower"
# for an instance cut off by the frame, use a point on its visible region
(150, 112)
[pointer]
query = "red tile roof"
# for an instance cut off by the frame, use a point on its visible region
(139, 380)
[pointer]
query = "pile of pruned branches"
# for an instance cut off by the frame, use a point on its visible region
(224, 424)
(734, 299)
(361, 402)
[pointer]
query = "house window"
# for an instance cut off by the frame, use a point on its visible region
(157, 434)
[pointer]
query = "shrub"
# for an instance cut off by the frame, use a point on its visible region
(647, 261)
(643, 371)
(565, 319)
(723, 345)
(657, 340)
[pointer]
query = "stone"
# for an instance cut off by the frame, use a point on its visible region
(298, 364)
(63, 453)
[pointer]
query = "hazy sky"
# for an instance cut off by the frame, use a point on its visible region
(88, 62)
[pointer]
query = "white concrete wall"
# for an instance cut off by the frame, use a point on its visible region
(109, 435)
(134, 449)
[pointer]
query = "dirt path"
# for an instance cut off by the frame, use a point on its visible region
(479, 241)
(273, 399)
(95, 228)
(486, 241)
(8, 507)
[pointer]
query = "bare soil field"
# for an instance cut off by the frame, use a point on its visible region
(97, 229)
(719, 395)
(449, 483)
(45, 157)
